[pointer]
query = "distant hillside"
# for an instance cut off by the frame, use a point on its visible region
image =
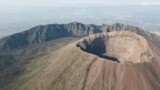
(44, 33)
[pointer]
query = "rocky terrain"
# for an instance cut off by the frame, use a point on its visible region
(121, 46)
(70, 57)
(89, 64)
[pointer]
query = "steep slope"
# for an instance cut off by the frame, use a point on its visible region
(45, 33)
(79, 66)
(22, 66)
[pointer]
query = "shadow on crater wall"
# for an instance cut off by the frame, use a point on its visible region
(96, 47)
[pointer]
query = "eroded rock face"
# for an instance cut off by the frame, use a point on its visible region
(122, 47)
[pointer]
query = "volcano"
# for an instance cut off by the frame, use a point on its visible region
(76, 56)
(110, 61)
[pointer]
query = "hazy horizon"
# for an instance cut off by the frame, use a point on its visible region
(72, 2)
(20, 15)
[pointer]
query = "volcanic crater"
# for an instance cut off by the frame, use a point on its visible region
(121, 47)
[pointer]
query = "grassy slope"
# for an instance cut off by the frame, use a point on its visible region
(26, 81)
(35, 66)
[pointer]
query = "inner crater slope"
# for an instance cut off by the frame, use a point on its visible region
(121, 47)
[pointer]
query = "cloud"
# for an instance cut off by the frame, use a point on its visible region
(150, 3)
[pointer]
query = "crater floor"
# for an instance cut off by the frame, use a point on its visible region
(122, 47)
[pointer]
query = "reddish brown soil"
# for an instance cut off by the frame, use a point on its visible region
(113, 61)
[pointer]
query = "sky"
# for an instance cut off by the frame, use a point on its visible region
(23, 3)
(19, 15)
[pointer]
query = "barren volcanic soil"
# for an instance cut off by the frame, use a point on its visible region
(120, 47)
(111, 61)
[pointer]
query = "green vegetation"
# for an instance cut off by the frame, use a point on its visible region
(32, 66)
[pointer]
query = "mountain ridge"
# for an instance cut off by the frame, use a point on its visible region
(45, 33)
